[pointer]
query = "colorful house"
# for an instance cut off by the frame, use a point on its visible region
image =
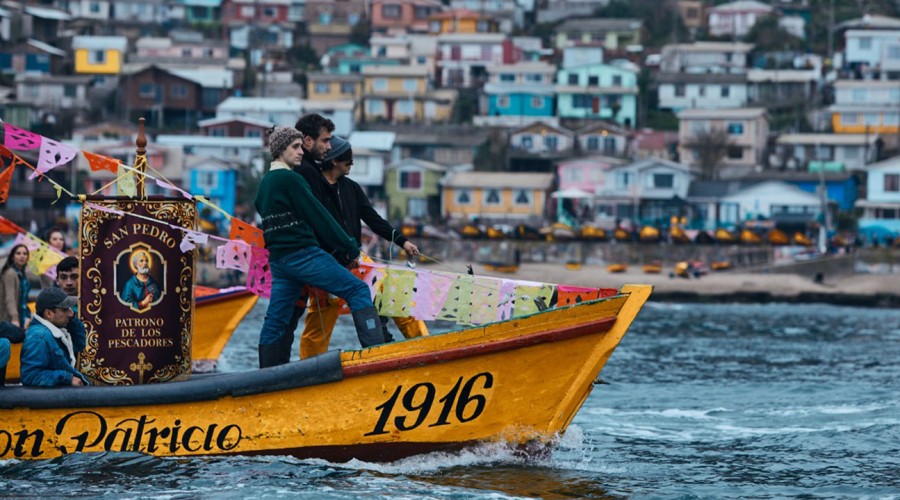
(497, 196)
(649, 191)
(406, 15)
(881, 208)
(403, 94)
(216, 179)
(413, 190)
(462, 21)
(599, 91)
(605, 139)
(736, 18)
(202, 11)
(32, 57)
(747, 130)
(462, 57)
(519, 93)
(613, 34)
(99, 55)
(866, 107)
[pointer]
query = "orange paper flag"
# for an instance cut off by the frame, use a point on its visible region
(5, 180)
(242, 231)
(9, 227)
(100, 162)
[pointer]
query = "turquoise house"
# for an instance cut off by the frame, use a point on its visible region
(202, 11)
(524, 100)
(217, 180)
(598, 91)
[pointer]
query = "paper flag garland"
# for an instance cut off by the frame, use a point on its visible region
(431, 293)
(191, 239)
(100, 162)
(125, 184)
(396, 294)
(18, 139)
(240, 230)
(259, 277)
(569, 295)
(235, 254)
(53, 154)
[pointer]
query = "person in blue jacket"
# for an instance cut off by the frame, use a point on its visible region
(48, 353)
(9, 334)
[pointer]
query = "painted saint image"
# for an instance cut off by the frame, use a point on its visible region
(141, 289)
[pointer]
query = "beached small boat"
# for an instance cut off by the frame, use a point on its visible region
(748, 237)
(801, 239)
(217, 313)
(690, 269)
(678, 235)
(648, 234)
(470, 231)
(501, 268)
(518, 381)
(573, 266)
(652, 268)
(495, 234)
(617, 268)
(621, 234)
(777, 237)
(720, 265)
(526, 232)
(592, 233)
(725, 236)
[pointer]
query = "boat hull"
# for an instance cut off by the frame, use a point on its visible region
(519, 381)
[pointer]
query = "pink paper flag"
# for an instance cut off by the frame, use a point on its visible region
(507, 298)
(235, 254)
(191, 239)
(371, 274)
(485, 300)
(165, 185)
(259, 277)
(22, 140)
(431, 292)
(53, 154)
(30, 243)
(101, 208)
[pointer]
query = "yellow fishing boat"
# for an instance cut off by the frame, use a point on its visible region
(725, 236)
(801, 239)
(518, 381)
(617, 268)
(621, 234)
(592, 233)
(652, 268)
(218, 313)
(649, 234)
(678, 235)
(748, 237)
(777, 237)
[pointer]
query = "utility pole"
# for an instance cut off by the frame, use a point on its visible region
(830, 40)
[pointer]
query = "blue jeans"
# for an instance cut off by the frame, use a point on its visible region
(4, 352)
(308, 266)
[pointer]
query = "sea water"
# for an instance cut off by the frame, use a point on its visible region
(700, 401)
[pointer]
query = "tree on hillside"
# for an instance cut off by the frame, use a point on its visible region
(661, 19)
(768, 36)
(710, 148)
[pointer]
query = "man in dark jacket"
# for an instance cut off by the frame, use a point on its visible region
(9, 334)
(346, 201)
(294, 226)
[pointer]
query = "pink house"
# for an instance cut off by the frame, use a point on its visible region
(586, 174)
(258, 12)
(403, 15)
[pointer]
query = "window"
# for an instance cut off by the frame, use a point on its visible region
(69, 91)
(322, 88)
(178, 91)
(859, 95)
(573, 174)
(735, 128)
(865, 43)
(210, 98)
(593, 143)
(735, 152)
(96, 57)
(463, 197)
(534, 77)
(522, 197)
(417, 207)
(353, 19)
(593, 81)
(147, 90)
(726, 91)
(325, 18)
(893, 52)
(623, 180)
(410, 85)
(248, 11)
(270, 12)
(375, 107)
(348, 88)
(701, 91)
(871, 118)
(849, 119)
(527, 142)
(537, 102)
(507, 77)
(663, 181)
(482, 27)
(391, 11)
(679, 90)
(891, 183)
(422, 12)
(573, 79)
(410, 180)
(380, 84)
(503, 101)
(491, 196)
(95, 7)
(617, 81)
(405, 108)
(551, 142)
(435, 27)
(582, 101)
(252, 132)
(207, 181)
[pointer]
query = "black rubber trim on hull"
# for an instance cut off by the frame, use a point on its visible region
(313, 371)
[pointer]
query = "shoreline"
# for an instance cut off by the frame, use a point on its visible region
(858, 290)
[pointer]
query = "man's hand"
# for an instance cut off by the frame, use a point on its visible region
(76, 382)
(410, 248)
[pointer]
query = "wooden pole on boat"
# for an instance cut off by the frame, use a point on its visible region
(140, 160)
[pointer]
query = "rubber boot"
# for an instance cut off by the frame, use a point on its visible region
(276, 353)
(368, 327)
(2, 377)
(384, 329)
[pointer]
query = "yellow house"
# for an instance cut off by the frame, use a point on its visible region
(496, 195)
(99, 55)
(462, 21)
(334, 87)
(403, 94)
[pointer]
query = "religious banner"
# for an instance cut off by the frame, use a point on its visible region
(136, 290)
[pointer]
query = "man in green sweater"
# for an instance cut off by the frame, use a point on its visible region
(294, 223)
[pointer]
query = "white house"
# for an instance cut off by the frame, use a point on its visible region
(679, 91)
(881, 208)
(705, 57)
(736, 18)
(650, 191)
(775, 200)
(240, 149)
(834, 152)
(284, 111)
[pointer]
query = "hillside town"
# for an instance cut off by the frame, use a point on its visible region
(687, 115)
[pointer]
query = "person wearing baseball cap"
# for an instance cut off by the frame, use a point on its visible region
(48, 355)
(295, 228)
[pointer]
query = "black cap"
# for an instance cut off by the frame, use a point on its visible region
(53, 297)
(339, 146)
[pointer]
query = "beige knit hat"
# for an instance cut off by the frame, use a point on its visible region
(282, 137)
